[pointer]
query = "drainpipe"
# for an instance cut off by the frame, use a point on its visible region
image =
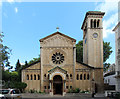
(74, 60)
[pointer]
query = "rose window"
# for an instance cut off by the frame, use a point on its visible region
(57, 58)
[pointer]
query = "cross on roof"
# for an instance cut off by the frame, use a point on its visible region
(57, 29)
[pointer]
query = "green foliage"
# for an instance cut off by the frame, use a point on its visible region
(26, 64)
(6, 75)
(84, 92)
(117, 96)
(77, 90)
(79, 51)
(10, 76)
(32, 91)
(34, 60)
(106, 66)
(18, 65)
(4, 53)
(17, 85)
(107, 50)
(70, 90)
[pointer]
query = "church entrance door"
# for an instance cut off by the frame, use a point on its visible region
(57, 85)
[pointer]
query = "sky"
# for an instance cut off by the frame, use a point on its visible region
(25, 23)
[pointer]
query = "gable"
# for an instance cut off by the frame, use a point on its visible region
(35, 65)
(83, 66)
(57, 69)
(57, 39)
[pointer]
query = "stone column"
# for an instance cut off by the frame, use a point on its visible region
(64, 91)
(51, 91)
(93, 24)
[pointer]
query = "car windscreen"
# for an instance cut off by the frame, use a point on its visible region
(15, 91)
(4, 91)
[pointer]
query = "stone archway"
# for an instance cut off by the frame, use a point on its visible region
(57, 85)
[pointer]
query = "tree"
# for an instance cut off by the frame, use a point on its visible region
(79, 51)
(4, 53)
(106, 66)
(26, 64)
(18, 66)
(34, 60)
(18, 85)
(106, 51)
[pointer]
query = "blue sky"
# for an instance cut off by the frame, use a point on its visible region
(24, 23)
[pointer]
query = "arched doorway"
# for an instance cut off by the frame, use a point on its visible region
(57, 85)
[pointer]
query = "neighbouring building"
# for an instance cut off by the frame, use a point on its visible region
(109, 78)
(58, 71)
(117, 55)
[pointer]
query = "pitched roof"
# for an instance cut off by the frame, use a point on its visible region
(85, 65)
(52, 70)
(31, 64)
(116, 26)
(41, 40)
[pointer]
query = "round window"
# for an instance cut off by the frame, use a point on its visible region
(57, 58)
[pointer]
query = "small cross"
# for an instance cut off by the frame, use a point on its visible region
(57, 29)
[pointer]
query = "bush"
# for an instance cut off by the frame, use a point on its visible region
(77, 90)
(84, 91)
(32, 91)
(18, 85)
(70, 90)
(117, 96)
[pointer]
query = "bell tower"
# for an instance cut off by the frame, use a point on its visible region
(93, 47)
(93, 39)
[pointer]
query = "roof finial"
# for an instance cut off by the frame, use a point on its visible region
(57, 29)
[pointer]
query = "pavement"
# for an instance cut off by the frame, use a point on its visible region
(67, 96)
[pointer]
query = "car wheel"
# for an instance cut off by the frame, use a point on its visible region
(3, 98)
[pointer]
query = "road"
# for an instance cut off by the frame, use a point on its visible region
(69, 98)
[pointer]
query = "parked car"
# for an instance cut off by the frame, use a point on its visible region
(11, 93)
(2, 96)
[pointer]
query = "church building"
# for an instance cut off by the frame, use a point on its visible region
(57, 70)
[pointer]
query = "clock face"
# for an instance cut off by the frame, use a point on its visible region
(95, 35)
(57, 58)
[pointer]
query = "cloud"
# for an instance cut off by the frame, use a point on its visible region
(109, 24)
(111, 16)
(10, 1)
(16, 10)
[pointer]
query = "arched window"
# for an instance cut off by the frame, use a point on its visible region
(77, 77)
(45, 76)
(71, 76)
(48, 76)
(31, 76)
(84, 76)
(91, 23)
(98, 22)
(94, 23)
(34, 77)
(27, 77)
(67, 76)
(38, 77)
(80, 76)
(88, 77)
